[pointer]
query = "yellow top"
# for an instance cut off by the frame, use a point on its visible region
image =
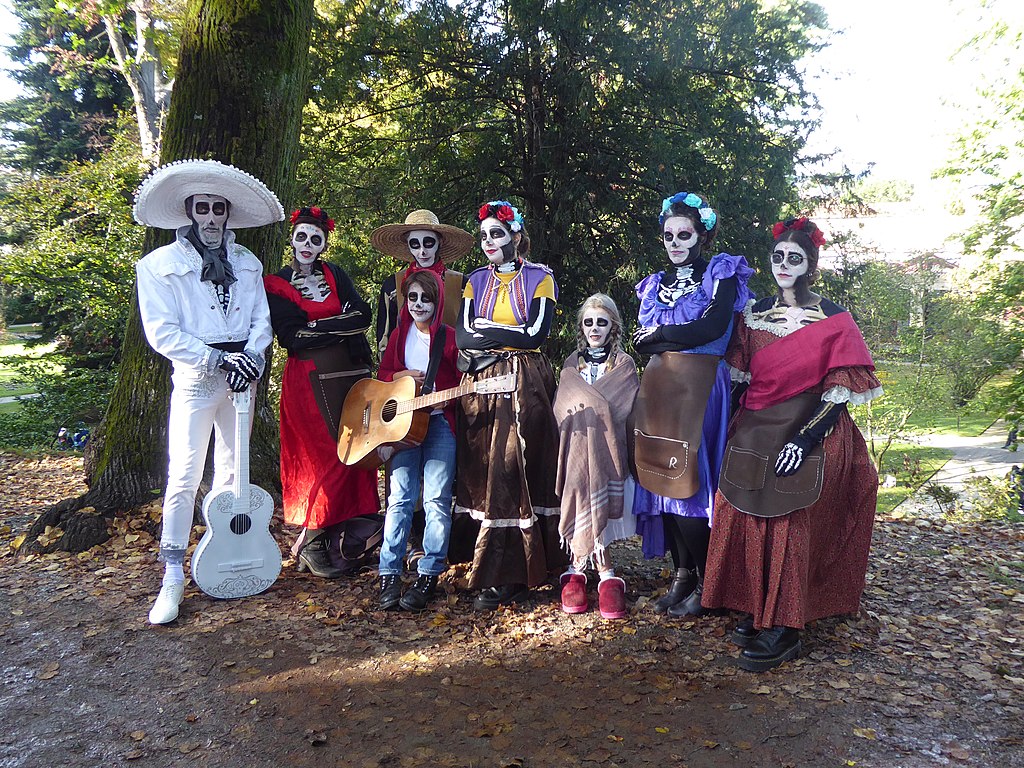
(503, 303)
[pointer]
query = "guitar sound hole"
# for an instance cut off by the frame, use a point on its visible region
(389, 411)
(240, 524)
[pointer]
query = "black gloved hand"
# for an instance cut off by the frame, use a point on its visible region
(241, 363)
(237, 382)
(791, 457)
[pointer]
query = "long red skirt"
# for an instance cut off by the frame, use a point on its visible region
(811, 563)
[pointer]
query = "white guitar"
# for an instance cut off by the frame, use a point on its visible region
(237, 556)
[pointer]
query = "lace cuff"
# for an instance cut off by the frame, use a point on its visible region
(843, 395)
(736, 375)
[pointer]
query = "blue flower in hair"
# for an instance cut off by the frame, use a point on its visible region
(706, 213)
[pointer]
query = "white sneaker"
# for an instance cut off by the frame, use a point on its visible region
(165, 609)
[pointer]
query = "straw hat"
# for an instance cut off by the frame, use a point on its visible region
(160, 199)
(390, 239)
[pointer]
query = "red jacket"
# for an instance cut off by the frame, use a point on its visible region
(393, 361)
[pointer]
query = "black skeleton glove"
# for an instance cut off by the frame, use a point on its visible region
(813, 432)
(241, 370)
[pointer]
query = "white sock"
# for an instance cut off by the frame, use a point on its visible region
(174, 573)
(609, 574)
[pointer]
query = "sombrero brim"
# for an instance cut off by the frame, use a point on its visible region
(160, 200)
(390, 239)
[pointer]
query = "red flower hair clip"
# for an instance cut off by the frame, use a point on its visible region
(799, 225)
(314, 216)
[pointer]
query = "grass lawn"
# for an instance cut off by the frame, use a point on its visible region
(11, 381)
(912, 465)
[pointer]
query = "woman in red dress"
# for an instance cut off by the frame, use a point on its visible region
(321, 321)
(796, 499)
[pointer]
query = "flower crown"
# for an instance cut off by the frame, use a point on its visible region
(802, 224)
(504, 212)
(315, 216)
(707, 215)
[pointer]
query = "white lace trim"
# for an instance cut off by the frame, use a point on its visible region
(735, 374)
(841, 395)
(761, 325)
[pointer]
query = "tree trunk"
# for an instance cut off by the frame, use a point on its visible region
(238, 98)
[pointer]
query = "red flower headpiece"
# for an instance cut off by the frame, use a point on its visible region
(504, 212)
(799, 225)
(315, 216)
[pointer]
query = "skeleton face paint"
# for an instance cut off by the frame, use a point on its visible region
(597, 326)
(209, 214)
(789, 262)
(308, 242)
(420, 306)
(681, 240)
(496, 241)
(423, 245)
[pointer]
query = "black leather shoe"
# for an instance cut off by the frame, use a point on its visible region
(682, 585)
(743, 633)
(689, 605)
(489, 599)
(315, 558)
(390, 591)
(419, 594)
(770, 648)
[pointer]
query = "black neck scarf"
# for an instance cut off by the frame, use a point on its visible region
(216, 267)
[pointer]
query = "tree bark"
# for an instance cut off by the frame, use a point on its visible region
(238, 98)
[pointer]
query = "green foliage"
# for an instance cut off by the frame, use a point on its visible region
(885, 190)
(585, 114)
(75, 246)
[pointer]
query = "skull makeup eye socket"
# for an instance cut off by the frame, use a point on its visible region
(202, 208)
(414, 297)
(316, 240)
(219, 209)
(601, 322)
(300, 237)
(494, 234)
(682, 236)
(793, 259)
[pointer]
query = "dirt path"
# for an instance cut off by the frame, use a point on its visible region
(931, 673)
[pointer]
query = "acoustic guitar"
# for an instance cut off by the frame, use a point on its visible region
(237, 556)
(388, 413)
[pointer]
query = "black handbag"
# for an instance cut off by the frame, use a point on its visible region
(473, 361)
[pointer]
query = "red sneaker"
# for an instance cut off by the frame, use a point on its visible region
(611, 598)
(574, 593)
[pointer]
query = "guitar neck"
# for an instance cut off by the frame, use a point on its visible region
(241, 484)
(435, 398)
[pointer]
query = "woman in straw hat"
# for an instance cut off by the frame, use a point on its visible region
(321, 321)
(424, 243)
(508, 445)
(203, 307)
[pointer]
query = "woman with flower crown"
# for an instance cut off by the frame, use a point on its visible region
(506, 510)
(321, 321)
(682, 410)
(796, 500)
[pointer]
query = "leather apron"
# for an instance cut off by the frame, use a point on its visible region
(667, 421)
(332, 377)
(748, 477)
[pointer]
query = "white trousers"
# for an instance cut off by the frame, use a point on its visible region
(198, 407)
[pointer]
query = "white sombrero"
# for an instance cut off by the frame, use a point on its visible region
(390, 239)
(160, 199)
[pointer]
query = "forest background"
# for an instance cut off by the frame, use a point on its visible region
(584, 114)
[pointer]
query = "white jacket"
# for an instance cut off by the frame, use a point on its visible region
(182, 316)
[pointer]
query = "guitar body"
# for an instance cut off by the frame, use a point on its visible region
(369, 420)
(237, 556)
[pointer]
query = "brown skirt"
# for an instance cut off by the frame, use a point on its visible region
(811, 563)
(506, 514)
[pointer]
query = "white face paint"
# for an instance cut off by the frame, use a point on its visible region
(420, 307)
(423, 245)
(789, 261)
(597, 326)
(308, 242)
(680, 238)
(494, 237)
(210, 214)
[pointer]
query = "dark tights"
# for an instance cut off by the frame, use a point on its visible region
(688, 539)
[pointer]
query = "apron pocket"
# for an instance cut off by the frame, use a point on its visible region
(744, 468)
(661, 456)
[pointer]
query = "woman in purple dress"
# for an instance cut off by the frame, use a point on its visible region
(682, 410)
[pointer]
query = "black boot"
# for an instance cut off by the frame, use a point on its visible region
(390, 591)
(681, 586)
(770, 648)
(743, 633)
(315, 558)
(489, 599)
(419, 594)
(689, 605)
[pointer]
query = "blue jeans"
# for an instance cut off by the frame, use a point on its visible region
(430, 465)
